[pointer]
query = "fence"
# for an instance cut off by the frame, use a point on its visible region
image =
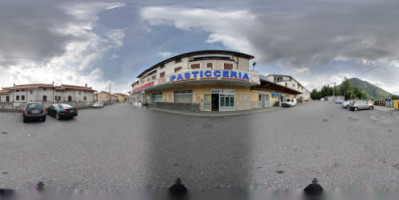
(14, 107)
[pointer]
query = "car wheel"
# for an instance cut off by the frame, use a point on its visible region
(355, 109)
(57, 116)
(44, 119)
(371, 108)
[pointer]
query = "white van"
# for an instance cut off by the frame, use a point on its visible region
(289, 102)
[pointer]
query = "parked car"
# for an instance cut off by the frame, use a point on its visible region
(34, 110)
(345, 104)
(62, 111)
(356, 105)
(289, 102)
(98, 105)
(338, 101)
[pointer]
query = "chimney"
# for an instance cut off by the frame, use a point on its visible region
(86, 85)
(53, 82)
(14, 84)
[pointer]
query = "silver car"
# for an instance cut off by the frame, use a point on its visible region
(98, 105)
(345, 104)
(356, 105)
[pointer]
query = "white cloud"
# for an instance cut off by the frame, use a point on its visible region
(302, 71)
(165, 54)
(78, 54)
(226, 27)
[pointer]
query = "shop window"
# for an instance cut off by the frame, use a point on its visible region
(17, 98)
(161, 75)
(23, 97)
(153, 77)
(228, 66)
(183, 96)
(44, 98)
(69, 98)
(195, 66)
(209, 65)
(177, 69)
(44, 89)
(178, 60)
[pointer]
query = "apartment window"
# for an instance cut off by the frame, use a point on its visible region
(162, 66)
(161, 75)
(148, 79)
(279, 79)
(153, 77)
(228, 66)
(30, 91)
(22, 90)
(16, 90)
(209, 65)
(7, 98)
(177, 69)
(178, 60)
(23, 97)
(59, 98)
(84, 98)
(44, 89)
(17, 98)
(195, 66)
(44, 98)
(183, 96)
(69, 98)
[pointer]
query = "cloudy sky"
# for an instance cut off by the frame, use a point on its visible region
(109, 43)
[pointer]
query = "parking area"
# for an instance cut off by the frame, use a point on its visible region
(122, 147)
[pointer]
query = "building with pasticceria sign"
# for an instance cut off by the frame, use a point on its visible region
(209, 80)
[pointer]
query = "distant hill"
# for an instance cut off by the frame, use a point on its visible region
(372, 91)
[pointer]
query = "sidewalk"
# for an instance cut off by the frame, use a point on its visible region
(385, 109)
(217, 114)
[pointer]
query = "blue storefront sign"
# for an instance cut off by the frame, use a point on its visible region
(275, 94)
(210, 74)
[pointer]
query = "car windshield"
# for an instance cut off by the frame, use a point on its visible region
(214, 95)
(34, 106)
(64, 106)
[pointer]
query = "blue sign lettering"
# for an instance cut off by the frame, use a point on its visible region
(233, 74)
(216, 73)
(208, 73)
(173, 77)
(225, 73)
(186, 75)
(245, 76)
(179, 77)
(201, 74)
(195, 74)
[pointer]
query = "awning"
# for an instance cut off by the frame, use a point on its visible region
(270, 86)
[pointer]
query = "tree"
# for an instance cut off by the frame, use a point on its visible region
(315, 95)
(345, 89)
(359, 94)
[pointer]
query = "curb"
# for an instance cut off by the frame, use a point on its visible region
(215, 115)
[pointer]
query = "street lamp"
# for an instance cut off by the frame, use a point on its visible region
(253, 64)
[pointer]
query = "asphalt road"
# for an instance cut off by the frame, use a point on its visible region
(122, 147)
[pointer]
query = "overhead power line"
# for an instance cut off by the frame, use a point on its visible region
(377, 66)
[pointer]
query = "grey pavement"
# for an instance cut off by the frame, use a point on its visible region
(122, 147)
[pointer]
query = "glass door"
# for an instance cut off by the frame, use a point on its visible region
(207, 102)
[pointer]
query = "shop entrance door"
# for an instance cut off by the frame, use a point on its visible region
(215, 102)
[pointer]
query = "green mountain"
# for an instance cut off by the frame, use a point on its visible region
(372, 91)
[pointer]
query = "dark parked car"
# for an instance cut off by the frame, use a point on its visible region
(62, 111)
(34, 111)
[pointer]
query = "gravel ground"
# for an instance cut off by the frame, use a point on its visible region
(122, 147)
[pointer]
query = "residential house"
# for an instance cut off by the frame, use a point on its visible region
(104, 96)
(46, 93)
(120, 98)
(290, 82)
